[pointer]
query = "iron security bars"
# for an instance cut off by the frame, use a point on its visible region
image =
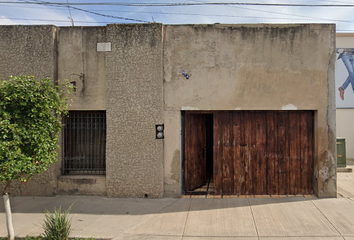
(84, 143)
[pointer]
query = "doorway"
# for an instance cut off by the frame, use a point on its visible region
(199, 164)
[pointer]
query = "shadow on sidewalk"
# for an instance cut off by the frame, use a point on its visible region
(118, 206)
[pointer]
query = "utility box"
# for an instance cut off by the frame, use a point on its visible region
(341, 153)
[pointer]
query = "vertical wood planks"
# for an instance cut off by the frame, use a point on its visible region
(255, 152)
(247, 151)
(310, 141)
(281, 152)
(303, 152)
(195, 160)
(243, 153)
(261, 140)
(218, 153)
(239, 171)
(271, 150)
(294, 155)
(228, 164)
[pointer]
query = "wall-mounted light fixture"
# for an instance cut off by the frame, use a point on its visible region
(160, 131)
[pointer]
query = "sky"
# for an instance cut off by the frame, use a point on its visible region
(98, 13)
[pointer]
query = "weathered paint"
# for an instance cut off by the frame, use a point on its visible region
(140, 84)
(289, 107)
(255, 67)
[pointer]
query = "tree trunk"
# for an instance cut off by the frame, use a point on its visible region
(6, 197)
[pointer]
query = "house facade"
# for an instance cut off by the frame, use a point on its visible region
(160, 110)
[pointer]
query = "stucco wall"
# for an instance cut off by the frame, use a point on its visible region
(140, 84)
(30, 50)
(251, 67)
(77, 54)
(80, 62)
(134, 106)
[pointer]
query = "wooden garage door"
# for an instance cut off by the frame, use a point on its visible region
(263, 152)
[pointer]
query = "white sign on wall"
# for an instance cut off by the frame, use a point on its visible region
(345, 78)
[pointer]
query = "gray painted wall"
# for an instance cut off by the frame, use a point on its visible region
(77, 54)
(251, 67)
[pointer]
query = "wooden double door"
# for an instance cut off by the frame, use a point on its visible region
(249, 152)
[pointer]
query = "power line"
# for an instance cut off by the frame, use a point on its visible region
(52, 20)
(218, 15)
(110, 16)
(87, 11)
(71, 17)
(183, 4)
(69, 21)
(305, 18)
(221, 15)
(287, 14)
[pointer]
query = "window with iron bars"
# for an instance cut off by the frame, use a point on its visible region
(84, 143)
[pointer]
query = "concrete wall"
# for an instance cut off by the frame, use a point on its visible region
(139, 83)
(77, 54)
(345, 116)
(251, 67)
(80, 62)
(134, 107)
(30, 50)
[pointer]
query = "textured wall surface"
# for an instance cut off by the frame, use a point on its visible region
(134, 106)
(251, 67)
(79, 61)
(77, 54)
(140, 84)
(30, 50)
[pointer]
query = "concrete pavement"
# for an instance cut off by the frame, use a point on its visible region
(276, 218)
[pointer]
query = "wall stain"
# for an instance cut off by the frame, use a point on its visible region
(176, 166)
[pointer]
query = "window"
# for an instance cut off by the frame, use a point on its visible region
(84, 143)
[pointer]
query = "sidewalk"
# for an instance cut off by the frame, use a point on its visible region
(195, 218)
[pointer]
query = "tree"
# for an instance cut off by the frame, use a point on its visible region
(30, 123)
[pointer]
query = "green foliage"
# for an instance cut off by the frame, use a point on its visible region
(56, 225)
(30, 122)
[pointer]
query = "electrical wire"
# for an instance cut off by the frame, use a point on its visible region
(91, 12)
(110, 16)
(302, 17)
(286, 14)
(96, 12)
(53, 20)
(71, 17)
(183, 4)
